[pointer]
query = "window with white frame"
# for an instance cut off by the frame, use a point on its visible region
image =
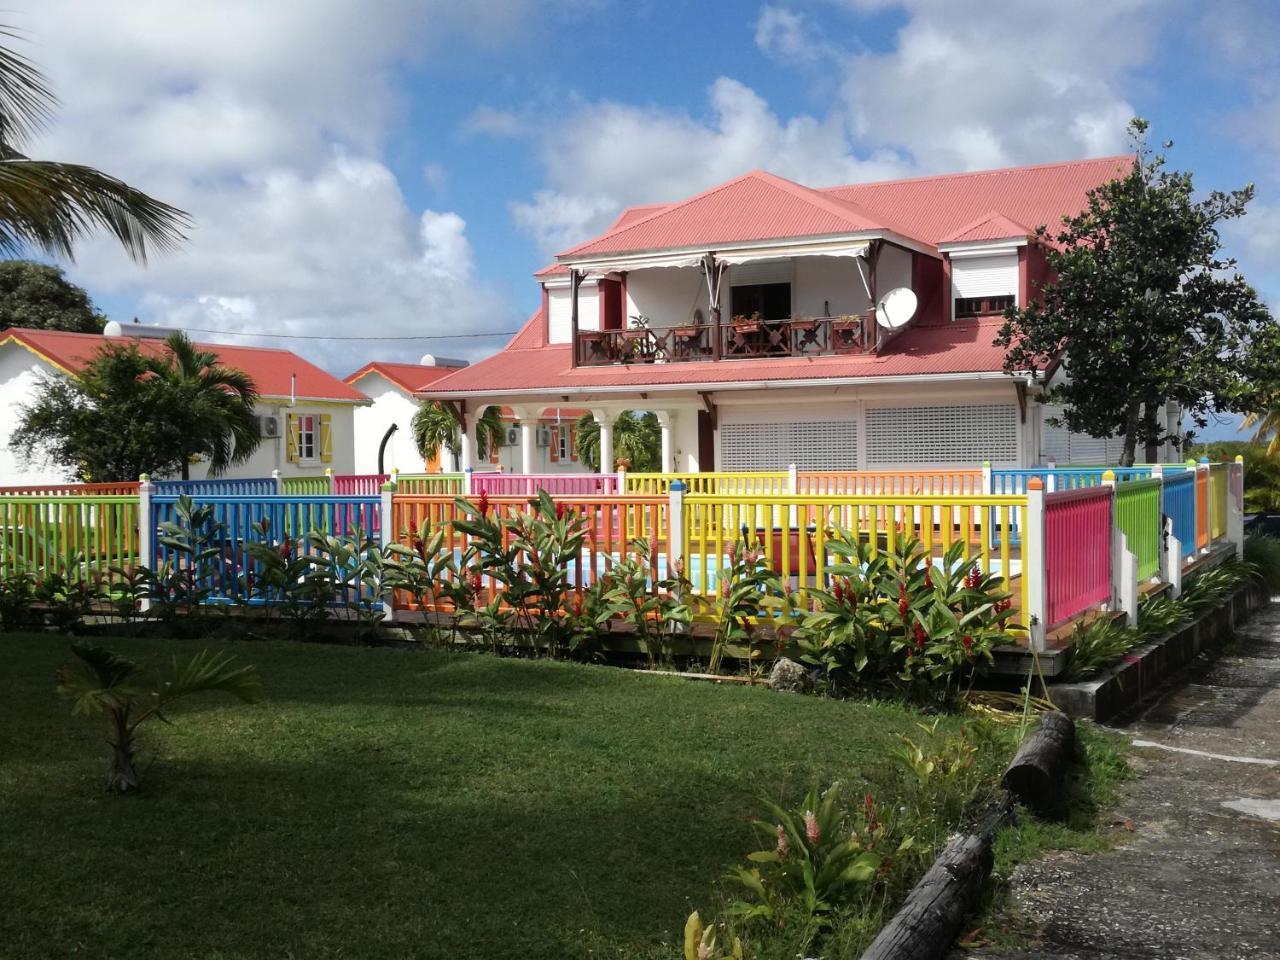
(307, 437)
(562, 443)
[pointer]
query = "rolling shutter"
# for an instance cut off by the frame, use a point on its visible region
(993, 276)
(961, 434)
(831, 445)
(1064, 447)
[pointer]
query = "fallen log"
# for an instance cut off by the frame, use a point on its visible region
(929, 920)
(1037, 775)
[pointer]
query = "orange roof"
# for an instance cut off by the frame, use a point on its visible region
(272, 370)
(928, 210)
(409, 377)
(529, 364)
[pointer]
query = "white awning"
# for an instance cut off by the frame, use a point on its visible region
(598, 268)
(856, 248)
(731, 256)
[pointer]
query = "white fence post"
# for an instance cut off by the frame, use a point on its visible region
(986, 478)
(1171, 559)
(1208, 494)
(622, 480)
(386, 537)
(466, 481)
(675, 527)
(1235, 505)
(275, 475)
(1124, 565)
(146, 532)
(328, 475)
(1033, 566)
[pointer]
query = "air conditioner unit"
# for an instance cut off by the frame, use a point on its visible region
(513, 437)
(544, 436)
(269, 426)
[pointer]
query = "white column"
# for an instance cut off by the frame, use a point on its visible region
(146, 533)
(386, 537)
(666, 421)
(1033, 567)
(605, 419)
(529, 445)
(467, 444)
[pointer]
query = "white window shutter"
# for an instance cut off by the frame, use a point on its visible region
(994, 276)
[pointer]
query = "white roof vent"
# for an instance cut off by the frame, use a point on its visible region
(114, 328)
(431, 360)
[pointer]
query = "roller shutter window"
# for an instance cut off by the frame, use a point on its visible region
(830, 445)
(959, 434)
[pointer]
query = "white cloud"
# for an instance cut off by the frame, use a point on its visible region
(788, 36)
(267, 121)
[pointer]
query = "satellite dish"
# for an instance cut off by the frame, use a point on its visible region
(896, 308)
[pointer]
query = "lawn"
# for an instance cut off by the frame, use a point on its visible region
(401, 803)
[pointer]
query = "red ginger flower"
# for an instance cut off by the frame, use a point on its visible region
(483, 503)
(919, 633)
(966, 641)
(784, 845)
(812, 830)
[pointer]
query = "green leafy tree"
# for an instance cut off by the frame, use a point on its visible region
(636, 437)
(1145, 310)
(129, 413)
(216, 402)
(1261, 471)
(38, 296)
(435, 427)
(128, 694)
(49, 206)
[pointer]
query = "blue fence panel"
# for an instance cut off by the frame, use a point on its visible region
(231, 575)
(1179, 505)
(223, 487)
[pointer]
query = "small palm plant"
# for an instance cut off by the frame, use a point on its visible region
(129, 693)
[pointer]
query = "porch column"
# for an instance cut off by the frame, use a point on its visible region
(605, 419)
(527, 417)
(467, 439)
(666, 421)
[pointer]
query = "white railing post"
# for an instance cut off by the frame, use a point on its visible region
(146, 533)
(328, 475)
(1203, 465)
(1171, 559)
(986, 478)
(1235, 505)
(275, 475)
(466, 481)
(1124, 565)
(675, 528)
(622, 480)
(1033, 566)
(394, 477)
(386, 537)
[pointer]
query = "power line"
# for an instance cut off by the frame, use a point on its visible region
(308, 336)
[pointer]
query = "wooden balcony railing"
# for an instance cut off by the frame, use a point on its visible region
(799, 337)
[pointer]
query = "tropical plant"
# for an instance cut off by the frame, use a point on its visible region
(1261, 470)
(637, 438)
(1263, 552)
(347, 570)
(700, 941)
(428, 573)
(67, 600)
(748, 592)
(1145, 310)
(435, 427)
(49, 206)
(216, 404)
(194, 547)
(17, 593)
(630, 594)
(128, 694)
(40, 297)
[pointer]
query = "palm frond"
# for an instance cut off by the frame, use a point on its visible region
(209, 671)
(26, 101)
(49, 206)
(98, 679)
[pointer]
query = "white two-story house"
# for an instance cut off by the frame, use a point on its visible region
(768, 323)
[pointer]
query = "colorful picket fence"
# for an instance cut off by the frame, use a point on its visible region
(75, 536)
(314, 486)
(279, 521)
(556, 484)
(659, 484)
(1077, 551)
(427, 484)
(1179, 505)
(913, 483)
(359, 484)
(237, 487)
(1218, 485)
(1138, 515)
(128, 489)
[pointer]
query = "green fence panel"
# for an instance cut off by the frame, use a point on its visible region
(429, 484)
(1138, 516)
(305, 486)
(70, 535)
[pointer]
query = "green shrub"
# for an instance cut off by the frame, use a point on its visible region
(1263, 552)
(1096, 645)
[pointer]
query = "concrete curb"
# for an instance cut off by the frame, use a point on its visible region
(1146, 667)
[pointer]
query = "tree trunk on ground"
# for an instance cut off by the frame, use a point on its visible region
(122, 775)
(1131, 419)
(1037, 775)
(929, 920)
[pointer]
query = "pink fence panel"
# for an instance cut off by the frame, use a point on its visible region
(556, 484)
(359, 484)
(1077, 551)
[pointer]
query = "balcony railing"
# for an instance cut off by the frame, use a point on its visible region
(753, 339)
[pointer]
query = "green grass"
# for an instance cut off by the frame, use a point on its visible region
(402, 803)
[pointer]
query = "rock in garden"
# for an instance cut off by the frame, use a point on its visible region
(788, 676)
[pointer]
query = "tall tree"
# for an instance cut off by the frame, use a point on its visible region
(129, 413)
(1145, 310)
(636, 437)
(40, 297)
(435, 428)
(216, 401)
(49, 206)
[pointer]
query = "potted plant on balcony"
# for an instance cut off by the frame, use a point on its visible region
(747, 324)
(846, 333)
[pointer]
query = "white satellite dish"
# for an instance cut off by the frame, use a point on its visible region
(896, 308)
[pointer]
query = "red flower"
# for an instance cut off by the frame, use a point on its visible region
(903, 606)
(966, 641)
(285, 547)
(838, 592)
(928, 580)
(483, 503)
(475, 583)
(559, 511)
(919, 635)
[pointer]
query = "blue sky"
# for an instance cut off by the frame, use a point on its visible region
(401, 168)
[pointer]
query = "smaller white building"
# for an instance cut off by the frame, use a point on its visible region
(384, 428)
(306, 416)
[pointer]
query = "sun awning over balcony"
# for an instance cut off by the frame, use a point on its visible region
(729, 257)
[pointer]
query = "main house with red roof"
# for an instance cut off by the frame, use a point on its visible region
(768, 323)
(306, 416)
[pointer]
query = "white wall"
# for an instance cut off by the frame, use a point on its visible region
(893, 269)
(668, 296)
(390, 405)
(828, 281)
(20, 372)
(560, 310)
(271, 454)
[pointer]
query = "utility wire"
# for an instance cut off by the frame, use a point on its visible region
(309, 336)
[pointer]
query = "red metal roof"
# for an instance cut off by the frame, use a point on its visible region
(964, 346)
(755, 206)
(930, 210)
(272, 370)
(409, 377)
(991, 226)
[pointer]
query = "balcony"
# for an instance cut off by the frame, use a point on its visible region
(738, 339)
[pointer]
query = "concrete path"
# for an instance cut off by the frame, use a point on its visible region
(1200, 876)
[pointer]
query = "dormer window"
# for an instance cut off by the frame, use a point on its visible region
(984, 306)
(983, 285)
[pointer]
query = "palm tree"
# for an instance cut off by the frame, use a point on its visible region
(1266, 427)
(637, 437)
(435, 426)
(48, 206)
(128, 694)
(217, 401)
